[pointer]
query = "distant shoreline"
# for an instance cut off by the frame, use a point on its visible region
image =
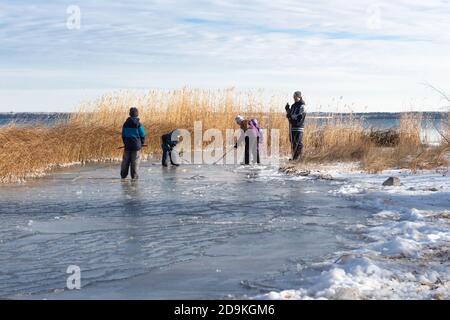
(312, 113)
(376, 140)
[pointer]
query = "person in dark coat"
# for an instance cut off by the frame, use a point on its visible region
(296, 115)
(133, 137)
(168, 142)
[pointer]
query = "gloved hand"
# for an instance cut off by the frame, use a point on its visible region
(287, 107)
(235, 145)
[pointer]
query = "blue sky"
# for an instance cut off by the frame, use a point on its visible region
(376, 55)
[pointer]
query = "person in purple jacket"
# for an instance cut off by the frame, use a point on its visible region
(252, 136)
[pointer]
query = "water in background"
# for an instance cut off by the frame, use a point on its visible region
(31, 118)
(432, 122)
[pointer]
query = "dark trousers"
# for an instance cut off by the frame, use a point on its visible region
(167, 155)
(296, 144)
(248, 148)
(130, 160)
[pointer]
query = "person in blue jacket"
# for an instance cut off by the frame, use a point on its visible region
(168, 142)
(133, 137)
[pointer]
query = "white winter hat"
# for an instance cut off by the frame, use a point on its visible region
(239, 119)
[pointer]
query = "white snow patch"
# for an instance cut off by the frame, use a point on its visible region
(407, 255)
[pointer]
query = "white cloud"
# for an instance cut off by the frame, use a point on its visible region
(327, 48)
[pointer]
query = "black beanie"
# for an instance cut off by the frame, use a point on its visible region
(134, 112)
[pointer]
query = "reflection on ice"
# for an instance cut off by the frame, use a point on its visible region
(167, 234)
(165, 225)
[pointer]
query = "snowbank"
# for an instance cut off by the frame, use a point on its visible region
(407, 252)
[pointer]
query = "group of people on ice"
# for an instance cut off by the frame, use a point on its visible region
(133, 137)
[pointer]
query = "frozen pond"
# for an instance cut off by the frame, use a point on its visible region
(187, 232)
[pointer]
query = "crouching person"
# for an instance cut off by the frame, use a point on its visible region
(168, 142)
(133, 137)
(252, 136)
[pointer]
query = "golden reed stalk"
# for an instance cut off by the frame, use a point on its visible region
(94, 132)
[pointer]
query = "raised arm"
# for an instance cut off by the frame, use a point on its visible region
(288, 110)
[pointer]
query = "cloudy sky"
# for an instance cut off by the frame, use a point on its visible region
(375, 55)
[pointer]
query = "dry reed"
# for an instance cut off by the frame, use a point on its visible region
(94, 132)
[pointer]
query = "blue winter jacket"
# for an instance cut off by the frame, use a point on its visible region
(133, 134)
(167, 144)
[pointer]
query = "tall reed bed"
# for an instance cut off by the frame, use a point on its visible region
(409, 153)
(163, 111)
(94, 132)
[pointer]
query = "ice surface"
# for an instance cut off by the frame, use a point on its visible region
(166, 235)
(224, 231)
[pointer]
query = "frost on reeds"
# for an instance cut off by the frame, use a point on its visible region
(94, 132)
